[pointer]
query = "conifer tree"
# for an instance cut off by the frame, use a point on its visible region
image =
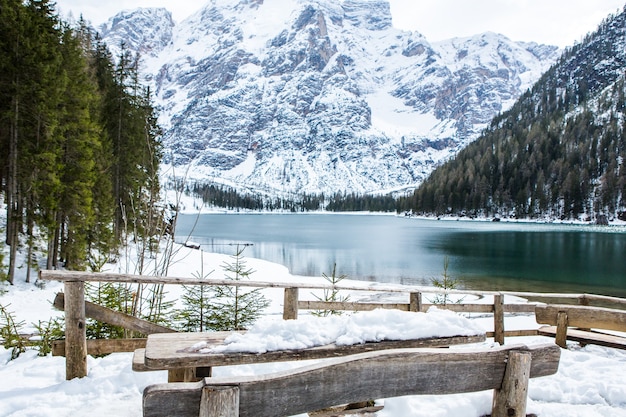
(234, 307)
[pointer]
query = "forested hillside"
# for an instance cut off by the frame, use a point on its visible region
(559, 152)
(79, 143)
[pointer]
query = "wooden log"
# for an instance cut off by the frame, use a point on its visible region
(561, 329)
(350, 306)
(459, 308)
(57, 275)
(97, 347)
(115, 318)
(75, 331)
(290, 306)
(219, 402)
(355, 378)
(415, 301)
(498, 318)
(583, 316)
(510, 400)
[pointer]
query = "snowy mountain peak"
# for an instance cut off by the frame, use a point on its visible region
(320, 95)
(144, 30)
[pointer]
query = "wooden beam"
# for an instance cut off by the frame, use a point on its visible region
(459, 308)
(510, 400)
(355, 378)
(515, 333)
(350, 306)
(115, 318)
(96, 347)
(75, 331)
(583, 316)
(59, 275)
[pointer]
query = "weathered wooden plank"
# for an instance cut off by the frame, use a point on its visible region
(586, 337)
(174, 350)
(219, 402)
(115, 318)
(75, 331)
(459, 308)
(515, 333)
(355, 378)
(583, 316)
(97, 347)
(58, 275)
(350, 306)
(510, 400)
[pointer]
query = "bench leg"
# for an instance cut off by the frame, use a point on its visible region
(188, 374)
(219, 402)
(561, 329)
(510, 400)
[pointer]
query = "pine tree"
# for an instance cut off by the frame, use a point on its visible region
(195, 316)
(234, 307)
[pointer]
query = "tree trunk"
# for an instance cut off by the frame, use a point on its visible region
(12, 218)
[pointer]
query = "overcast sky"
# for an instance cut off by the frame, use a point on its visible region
(555, 22)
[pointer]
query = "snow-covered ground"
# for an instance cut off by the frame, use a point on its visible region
(590, 381)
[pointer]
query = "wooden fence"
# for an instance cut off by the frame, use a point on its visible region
(76, 346)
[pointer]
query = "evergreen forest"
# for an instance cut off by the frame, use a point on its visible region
(79, 141)
(558, 153)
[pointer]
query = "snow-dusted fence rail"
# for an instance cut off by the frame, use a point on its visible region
(357, 378)
(560, 317)
(76, 345)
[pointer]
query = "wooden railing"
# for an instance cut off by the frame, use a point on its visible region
(76, 346)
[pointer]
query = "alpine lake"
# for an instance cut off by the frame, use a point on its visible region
(480, 255)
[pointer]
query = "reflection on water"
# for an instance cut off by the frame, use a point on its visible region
(482, 255)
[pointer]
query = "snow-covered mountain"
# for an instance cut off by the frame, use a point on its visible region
(319, 95)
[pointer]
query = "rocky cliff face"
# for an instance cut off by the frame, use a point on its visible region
(319, 95)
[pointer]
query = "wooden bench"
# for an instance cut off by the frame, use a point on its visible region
(359, 377)
(560, 318)
(173, 352)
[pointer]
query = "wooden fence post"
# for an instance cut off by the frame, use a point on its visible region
(510, 400)
(583, 300)
(498, 318)
(415, 301)
(561, 329)
(219, 402)
(290, 307)
(75, 330)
